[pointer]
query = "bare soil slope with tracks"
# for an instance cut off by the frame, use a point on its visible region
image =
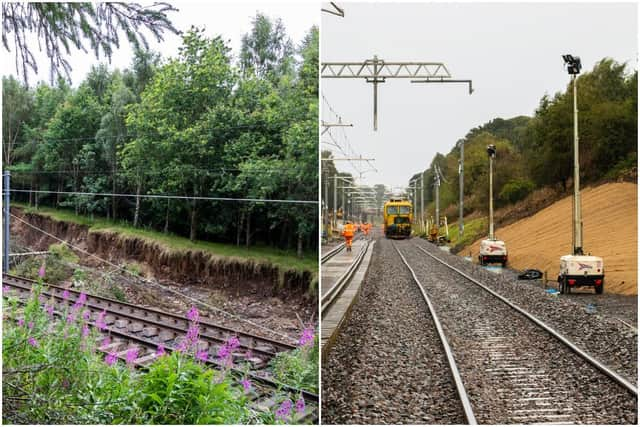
(610, 224)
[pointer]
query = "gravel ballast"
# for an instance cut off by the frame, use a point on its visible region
(515, 372)
(387, 365)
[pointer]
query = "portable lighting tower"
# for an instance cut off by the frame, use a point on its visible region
(491, 249)
(578, 269)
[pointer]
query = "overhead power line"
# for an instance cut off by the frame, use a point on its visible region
(164, 196)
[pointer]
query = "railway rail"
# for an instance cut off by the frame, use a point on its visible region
(508, 366)
(330, 296)
(145, 328)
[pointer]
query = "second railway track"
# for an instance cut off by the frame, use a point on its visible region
(145, 328)
(513, 369)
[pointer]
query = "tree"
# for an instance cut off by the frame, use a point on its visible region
(266, 50)
(17, 105)
(61, 25)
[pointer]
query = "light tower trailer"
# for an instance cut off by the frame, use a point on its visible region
(492, 250)
(581, 270)
(578, 269)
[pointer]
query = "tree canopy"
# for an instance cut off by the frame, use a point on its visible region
(194, 126)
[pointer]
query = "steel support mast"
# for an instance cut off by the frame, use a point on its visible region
(577, 211)
(377, 71)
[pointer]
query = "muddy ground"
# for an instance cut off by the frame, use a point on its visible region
(277, 314)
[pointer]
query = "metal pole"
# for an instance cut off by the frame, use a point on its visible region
(461, 173)
(437, 219)
(7, 215)
(490, 198)
(577, 219)
(375, 92)
(422, 201)
(335, 200)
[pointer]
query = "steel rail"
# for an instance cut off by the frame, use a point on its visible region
(573, 347)
(145, 321)
(152, 345)
(334, 251)
(457, 378)
(176, 318)
(328, 298)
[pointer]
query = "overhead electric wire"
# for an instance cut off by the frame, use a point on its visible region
(204, 304)
(164, 196)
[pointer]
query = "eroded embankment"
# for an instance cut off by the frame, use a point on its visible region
(234, 274)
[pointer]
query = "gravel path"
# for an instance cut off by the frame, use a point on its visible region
(515, 372)
(603, 336)
(387, 366)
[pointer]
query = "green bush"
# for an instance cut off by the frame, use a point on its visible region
(298, 368)
(515, 190)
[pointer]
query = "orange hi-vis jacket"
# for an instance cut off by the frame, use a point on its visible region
(348, 230)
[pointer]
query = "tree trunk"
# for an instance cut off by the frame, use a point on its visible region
(166, 219)
(75, 189)
(248, 235)
(31, 194)
(58, 193)
(194, 220)
(114, 204)
(239, 227)
(300, 242)
(136, 215)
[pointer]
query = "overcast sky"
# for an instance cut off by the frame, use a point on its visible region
(229, 19)
(511, 51)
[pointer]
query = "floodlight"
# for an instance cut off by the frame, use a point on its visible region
(573, 64)
(491, 150)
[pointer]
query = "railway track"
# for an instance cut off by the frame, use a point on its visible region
(508, 366)
(329, 297)
(131, 326)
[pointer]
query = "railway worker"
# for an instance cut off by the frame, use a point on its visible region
(365, 228)
(348, 231)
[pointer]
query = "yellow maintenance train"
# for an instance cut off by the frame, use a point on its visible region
(398, 218)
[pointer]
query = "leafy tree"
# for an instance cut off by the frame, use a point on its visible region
(17, 106)
(62, 25)
(266, 50)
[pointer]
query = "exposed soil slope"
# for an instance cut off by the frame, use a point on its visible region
(610, 226)
(239, 276)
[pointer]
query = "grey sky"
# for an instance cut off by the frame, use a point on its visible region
(511, 51)
(229, 19)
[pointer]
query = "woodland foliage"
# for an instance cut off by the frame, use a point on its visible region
(200, 124)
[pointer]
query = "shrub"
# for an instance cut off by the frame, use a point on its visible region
(515, 190)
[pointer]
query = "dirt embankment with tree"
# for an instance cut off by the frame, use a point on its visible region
(610, 226)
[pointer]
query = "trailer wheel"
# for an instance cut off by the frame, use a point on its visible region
(563, 285)
(600, 289)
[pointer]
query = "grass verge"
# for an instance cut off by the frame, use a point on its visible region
(285, 259)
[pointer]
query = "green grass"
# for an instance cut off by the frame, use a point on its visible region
(282, 258)
(473, 230)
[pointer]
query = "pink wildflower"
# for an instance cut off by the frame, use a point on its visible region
(132, 355)
(41, 271)
(283, 412)
(30, 325)
(32, 342)
(71, 318)
(160, 351)
(306, 337)
(80, 301)
(224, 352)
(193, 314)
(100, 323)
(300, 405)
(192, 333)
(233, 343)
(49, 310)
(5, 289)
(21, 322)
(65, 294)
(105, 342)
(183, 346)
(86, 315)
(85, 331)
(202, 355)
(111, 358)
(246, 384)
